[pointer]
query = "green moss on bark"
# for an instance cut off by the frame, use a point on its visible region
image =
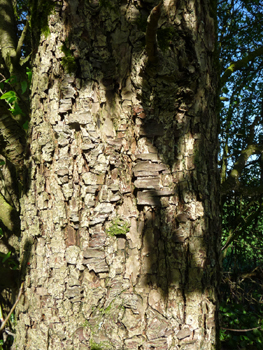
(68, 61)
(165, 36)
(39, 12)
(118, 227)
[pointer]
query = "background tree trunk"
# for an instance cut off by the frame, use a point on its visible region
(120, 218)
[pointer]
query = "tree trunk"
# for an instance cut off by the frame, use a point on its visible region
(120, 218)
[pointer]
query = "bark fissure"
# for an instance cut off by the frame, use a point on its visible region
(121, 202)
(151, 32)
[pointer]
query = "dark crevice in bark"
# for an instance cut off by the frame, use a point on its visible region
(151, 31)
(165, 258)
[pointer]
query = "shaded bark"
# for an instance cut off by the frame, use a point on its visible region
(12, 140)
(8, 39)
(121, 200)
(9, 278)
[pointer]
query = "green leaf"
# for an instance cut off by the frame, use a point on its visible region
(16, 110)
(6, 257)
(9, 96)
(29, 74)
(25, 125)
(12, 80)
(23, 86)
(2, 162)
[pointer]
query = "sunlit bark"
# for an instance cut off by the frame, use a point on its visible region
(121, 194)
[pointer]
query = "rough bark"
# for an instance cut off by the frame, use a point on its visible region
(8, 39)
(121, 199)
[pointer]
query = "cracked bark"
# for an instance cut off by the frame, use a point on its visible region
(121, 146)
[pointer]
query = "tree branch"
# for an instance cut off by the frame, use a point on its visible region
(239, 330)
(12, 309)
(12, 139)
(232, 182)
(240, 227)
(21, 40)
(9, 216)
(8, 41)
(240, 64)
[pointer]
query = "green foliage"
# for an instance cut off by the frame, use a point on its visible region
(11, 96)
(240, 33)
(7, 344)
(241, 288)
(13, 85)
(243, 219)
(25, 125)
(16, 110)
(12, 99)
(240, 24)
(29, 74)
(118, 227)
(12, 80)
(241, 316)
(23, 86)
(9, 260)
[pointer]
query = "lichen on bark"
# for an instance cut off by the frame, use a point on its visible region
(116, 140)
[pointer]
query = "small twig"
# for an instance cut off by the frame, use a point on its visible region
(2, 92)
(4, 78)
(239, 330)
(12, 309)
(21, 40)
(8, 332)
(9, 104)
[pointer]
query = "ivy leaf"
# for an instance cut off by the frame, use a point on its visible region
(12, 80)
(29, 74)
(25, 125)
(9, 96)
(6, 257)
(23, 86)
(16, 109)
